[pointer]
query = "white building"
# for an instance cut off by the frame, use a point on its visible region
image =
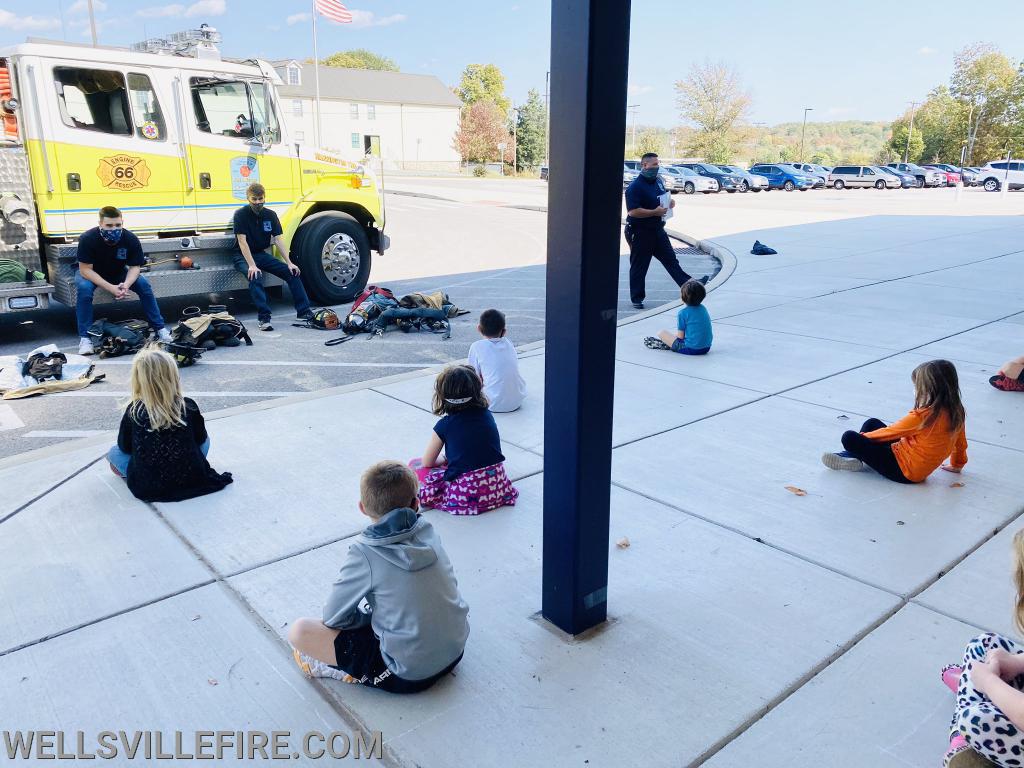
(409, 121)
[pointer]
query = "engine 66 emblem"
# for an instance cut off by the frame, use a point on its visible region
(123, 172)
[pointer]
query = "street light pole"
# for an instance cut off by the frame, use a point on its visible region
(632, 144)
(802, 131)
(910, 131)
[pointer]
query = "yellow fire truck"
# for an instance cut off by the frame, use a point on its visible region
(172, 135)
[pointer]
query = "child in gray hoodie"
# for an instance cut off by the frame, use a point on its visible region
(395, 619)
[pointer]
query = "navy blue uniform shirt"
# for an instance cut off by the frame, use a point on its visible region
(110, 262)
(259, 229)
(470, 440)
(642, 193)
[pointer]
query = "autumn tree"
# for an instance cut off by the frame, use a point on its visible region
(360, 58)
(483, 82)
(986, 82)
(712, 98)
(481, 130)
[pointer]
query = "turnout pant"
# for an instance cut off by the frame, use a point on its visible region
(84, 290)
(643, 245)
(987, 730)
(277, 268)
(877, 455)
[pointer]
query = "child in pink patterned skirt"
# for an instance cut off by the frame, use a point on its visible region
(471, 478)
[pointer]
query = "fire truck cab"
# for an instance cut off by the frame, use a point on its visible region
(172, 135)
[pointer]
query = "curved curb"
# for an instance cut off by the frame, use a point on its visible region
(103, 441)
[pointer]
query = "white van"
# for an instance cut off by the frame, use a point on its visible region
(861, 176)
(999, 172)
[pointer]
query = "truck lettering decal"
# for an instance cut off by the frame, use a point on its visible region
(123, 172)
(244, 171)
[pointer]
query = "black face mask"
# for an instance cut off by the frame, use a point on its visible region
(256, 208)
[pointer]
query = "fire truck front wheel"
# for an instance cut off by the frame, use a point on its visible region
(334, 255)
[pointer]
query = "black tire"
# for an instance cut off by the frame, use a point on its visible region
(879, 184)
(745, 187)
(731, 191)
(920, 182)
(991, 185)
(688, 188)
(803, 189)
(839, 184)
(789, 186)
(755, 190)
(333, 253)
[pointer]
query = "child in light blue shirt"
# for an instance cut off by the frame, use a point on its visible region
(693, 335)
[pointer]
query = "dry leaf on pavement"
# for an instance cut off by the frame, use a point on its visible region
(622, 543)
(796, 491)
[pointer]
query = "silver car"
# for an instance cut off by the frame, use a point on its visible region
(751, 181)
(686, 181)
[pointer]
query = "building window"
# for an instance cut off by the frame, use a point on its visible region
(297, 107)
(371, 111)
(357, 141)
(300, 135)
(353, 111)
(294, 77)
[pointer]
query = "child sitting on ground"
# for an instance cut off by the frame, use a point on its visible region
(162, 443)
(693, 322)
(494, 358)
(1010, 377)
(913, 447)
(472, 479)
(988, 722)
(395, 619)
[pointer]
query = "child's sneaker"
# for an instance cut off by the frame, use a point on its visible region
(652, 342)
(842, 461)
(315, 668)
(960, 755)
(951, 674)
(1006, 384)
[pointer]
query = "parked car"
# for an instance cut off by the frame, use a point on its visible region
(993, 175)
(678, 180)
(633, 165)
(543, 173)
(907, 180)
(628, 175)
(694, 182)
(861, 176)
(926, 177)
(952, 176)
(810, 169)
(783, 177)
(751, 181)
(969, 176)
(730, 182)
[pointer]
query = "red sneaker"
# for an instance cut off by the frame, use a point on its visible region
(1006, 384)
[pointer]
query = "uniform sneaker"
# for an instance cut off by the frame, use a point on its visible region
(85, 346)
(265, 325)
(307, 315)
(841, 461)
(638, 305)
(704, 280)
(315, 668)
(163, 335)
(1006, 384)
(651, 342)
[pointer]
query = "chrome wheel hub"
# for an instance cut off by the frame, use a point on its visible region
(340, 259)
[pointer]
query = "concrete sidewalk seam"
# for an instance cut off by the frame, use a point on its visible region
(48, 491)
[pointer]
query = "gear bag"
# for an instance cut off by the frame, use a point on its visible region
(123, 338)
(434, 300)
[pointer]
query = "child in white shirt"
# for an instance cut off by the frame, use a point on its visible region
(495, 361)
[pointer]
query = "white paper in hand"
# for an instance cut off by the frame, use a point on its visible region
(665, 200)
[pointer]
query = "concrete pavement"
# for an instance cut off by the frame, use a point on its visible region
(749, 625)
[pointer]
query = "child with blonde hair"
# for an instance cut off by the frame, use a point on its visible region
(919, 443)
(988, 723)
(162, 443)
(471, 478)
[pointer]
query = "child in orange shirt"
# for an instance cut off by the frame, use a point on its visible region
(916, 445)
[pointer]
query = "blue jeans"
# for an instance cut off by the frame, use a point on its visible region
(83, 306)
(119, 459)
(277, 268)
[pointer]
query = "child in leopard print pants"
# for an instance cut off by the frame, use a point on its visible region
(988, 724)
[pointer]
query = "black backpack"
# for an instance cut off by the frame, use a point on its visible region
(123, 338)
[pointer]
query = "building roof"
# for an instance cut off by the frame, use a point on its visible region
(373, 86)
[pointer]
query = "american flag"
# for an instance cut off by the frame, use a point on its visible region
(334, 11)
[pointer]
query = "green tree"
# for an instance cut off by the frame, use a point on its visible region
(987, 83)
(483, 82)
(897, 143)
(651, 140)
(531, 122)
(481, 130)
(712, 99)
(360, 58)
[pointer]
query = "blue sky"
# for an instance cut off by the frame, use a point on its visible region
(861, 60)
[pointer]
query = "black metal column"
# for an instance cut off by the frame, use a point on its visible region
(589, 62)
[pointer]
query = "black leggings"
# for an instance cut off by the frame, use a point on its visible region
(877, 455)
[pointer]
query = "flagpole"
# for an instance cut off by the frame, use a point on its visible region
(316, 75)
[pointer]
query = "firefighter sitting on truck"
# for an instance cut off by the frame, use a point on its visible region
(110, 257)
(255, 228)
